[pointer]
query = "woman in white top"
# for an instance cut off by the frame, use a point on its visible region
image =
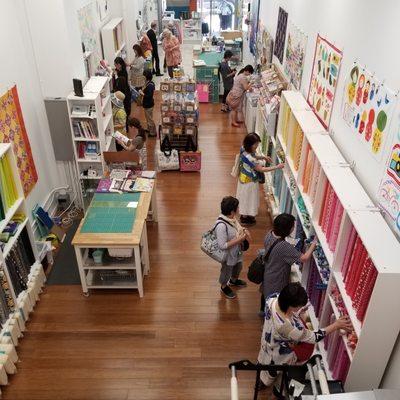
(284, 329)
(137, 67)
(250, 169)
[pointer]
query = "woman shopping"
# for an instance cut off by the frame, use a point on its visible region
(250, 170)
(232, 238)
(227, 75)
(284, 330)
(236, 95)
(121, 83)
(172, 50)
(282, 255)
(137, 67)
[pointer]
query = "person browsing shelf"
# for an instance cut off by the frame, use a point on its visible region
(121, 83)
(284, 329)
(250, 173)
(172, 50)
(227, 75)
(137, 68)
(236, 95)
(119, 115)
(282, 256)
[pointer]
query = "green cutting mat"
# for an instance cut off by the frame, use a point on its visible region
(108, 213)
(211, 58)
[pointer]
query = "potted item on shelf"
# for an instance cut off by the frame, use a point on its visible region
(98, 256)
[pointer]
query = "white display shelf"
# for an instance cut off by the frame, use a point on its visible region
(113, 37)
(347, 302)
(14, 238)
(97, 94)
(322, 241)
(10, 213)
(81, 139)
(380, 243)
(337, 316)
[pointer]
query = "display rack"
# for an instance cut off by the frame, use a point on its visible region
(360, 272)
(191, 31)
(21, 274)
(114, 40)
(92, 126)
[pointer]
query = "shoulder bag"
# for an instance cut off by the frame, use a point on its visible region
(167, 157)
(190, 159)
(256, 270)
(209, 244)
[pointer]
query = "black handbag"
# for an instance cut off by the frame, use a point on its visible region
(256, 270)
(166, 147)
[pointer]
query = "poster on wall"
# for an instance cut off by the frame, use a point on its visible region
(102, 8)
(294, 55)
(324, 79)
(86, 26)
(280, 36)
(12, 130)
(389, 189)
(368, 107)
(254, 11)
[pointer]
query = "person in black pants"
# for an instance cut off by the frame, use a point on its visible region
(227, 75)
(121, 83)
(151, 33)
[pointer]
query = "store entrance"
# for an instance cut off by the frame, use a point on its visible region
(219, 15)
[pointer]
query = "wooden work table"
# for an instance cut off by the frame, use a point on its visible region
(137, 265)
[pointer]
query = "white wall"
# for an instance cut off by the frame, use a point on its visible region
(367, 31)
(18, 67)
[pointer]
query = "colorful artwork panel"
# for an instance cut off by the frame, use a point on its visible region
(12, 130)
(324, 79)
(368, 107)
(295, 54)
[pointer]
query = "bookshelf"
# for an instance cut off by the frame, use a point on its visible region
(191, 31)
(114, 40)
(21, 274)
(91, 126)
(355, 271)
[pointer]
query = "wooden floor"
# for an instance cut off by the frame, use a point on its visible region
(177, 341)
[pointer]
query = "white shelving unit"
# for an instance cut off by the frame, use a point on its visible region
(191, 31)
(376, 333)
(24, 301)
(114, 40)
(91, 134)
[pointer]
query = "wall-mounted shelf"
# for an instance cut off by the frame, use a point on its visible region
(347, 225)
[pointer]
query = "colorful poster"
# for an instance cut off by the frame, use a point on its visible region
(368, 107)
(86, 26)
(324, 78)
(389, 190)
(254, 11)
(12, 130)
(280, 36)
(295, 54)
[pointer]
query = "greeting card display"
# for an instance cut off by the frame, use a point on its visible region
(280, 34)
(368, 108)
(295, 55)
(324, 78)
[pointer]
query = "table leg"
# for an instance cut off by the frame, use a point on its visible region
(139, 275)
(79, 260)
(153, 205)
(145, 249)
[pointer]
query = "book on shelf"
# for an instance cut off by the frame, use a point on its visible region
(104, 186)
(129, 185)
(87, 151)
(84, 129)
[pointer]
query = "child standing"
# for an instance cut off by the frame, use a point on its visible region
(148, 102)
(227, 75)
